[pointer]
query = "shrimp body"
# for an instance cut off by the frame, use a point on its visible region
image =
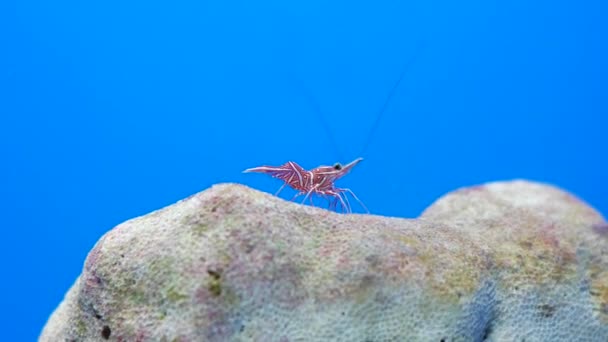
(318, 181)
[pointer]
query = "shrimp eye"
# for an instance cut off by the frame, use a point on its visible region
(337, 166)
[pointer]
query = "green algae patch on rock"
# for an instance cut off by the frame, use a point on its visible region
(504, 261)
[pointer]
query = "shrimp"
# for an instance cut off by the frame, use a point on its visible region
(318, 181)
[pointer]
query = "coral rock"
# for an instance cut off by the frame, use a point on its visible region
(506, 261)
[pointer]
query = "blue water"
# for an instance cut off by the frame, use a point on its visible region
(112, 109)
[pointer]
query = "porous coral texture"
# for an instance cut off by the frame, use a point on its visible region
(506, 261)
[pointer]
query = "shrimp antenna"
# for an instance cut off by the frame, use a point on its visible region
(322, 120)
(406, 68)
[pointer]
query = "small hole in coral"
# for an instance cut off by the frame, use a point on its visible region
(105, 332)
(487, 331)
(215, 273)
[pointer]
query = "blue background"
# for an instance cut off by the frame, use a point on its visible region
(112, 109)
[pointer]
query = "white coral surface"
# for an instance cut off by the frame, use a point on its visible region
(506, 261)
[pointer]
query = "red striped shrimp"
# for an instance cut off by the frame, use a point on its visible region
(318, 181)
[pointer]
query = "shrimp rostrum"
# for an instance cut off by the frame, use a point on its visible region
(318, 181)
